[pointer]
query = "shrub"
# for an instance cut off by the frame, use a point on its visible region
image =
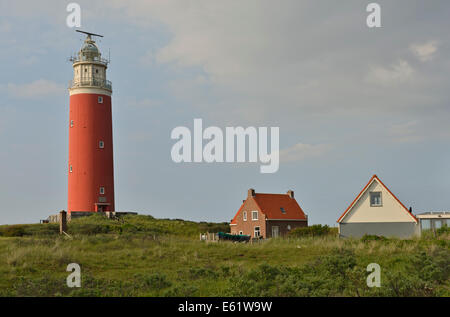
(89, 229)
(312, 231)
(157, 281)
(443, 230)
(12, 231)
(372, 237)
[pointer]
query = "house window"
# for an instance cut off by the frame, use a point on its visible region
(241, 233)
(283, 211)
(244, 215)
(289, 227)
(257, 232)
(102, 190)
(100, 99)
(254, 215)
(71, 123)
(426, 224)
(375, 199)
(101, 144)
(70, 168)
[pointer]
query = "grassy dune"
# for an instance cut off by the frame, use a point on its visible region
(143, 256)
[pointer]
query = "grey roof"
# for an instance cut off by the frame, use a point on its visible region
(435, 213)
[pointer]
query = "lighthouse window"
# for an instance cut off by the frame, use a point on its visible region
(70, 168)
(96, 71)
(71, 123)
(100, 99)
(102, 190)
(85, 70)
(101, 144)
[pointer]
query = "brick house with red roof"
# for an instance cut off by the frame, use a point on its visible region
(268, 215)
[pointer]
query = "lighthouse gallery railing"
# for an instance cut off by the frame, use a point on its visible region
(91, 82)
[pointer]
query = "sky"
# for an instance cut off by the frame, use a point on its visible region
(350, 101)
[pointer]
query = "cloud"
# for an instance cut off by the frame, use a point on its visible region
(397, 73)
(257, 60)
(148, 59)
(301, 151)
(36, 89)
(405, 132)
(5, 27)
(426, 51)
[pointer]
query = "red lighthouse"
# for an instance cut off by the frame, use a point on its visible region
(91, 167)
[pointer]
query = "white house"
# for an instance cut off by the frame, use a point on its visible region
(376, 211)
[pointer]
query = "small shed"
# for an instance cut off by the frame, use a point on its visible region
(433, 220)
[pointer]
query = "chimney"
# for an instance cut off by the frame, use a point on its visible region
(290, 193)
(251, 193)
(410, 210)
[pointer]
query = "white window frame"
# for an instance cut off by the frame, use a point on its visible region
(70, 168)
(254, 232)
(255, 212)
(101, 144)
(100, 99)
(381, 199)
(102, 190)
(244, 215)
(241, 233)
(71, 123)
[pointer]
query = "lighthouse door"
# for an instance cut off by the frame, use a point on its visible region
(102, 207)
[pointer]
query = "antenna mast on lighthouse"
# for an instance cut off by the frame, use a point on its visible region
(89, 34)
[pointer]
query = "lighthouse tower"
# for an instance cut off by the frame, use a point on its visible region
(91, 167)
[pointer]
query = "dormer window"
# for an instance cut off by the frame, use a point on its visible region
(375, 199)
(283, 211)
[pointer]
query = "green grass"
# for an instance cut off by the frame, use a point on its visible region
(143, 256)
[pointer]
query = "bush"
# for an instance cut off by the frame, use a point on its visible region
(89, 229)
(312, 231)
(372, 237)
(443, 230)
(13, 231)
(157, 281)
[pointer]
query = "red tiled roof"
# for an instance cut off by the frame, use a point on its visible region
(364, 189)
(271, 204)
